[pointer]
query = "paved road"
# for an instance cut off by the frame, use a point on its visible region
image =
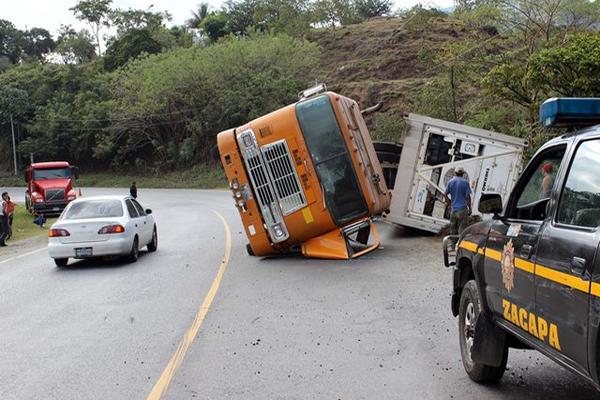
(279, 328)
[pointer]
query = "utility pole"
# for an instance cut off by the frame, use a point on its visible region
(12, 128)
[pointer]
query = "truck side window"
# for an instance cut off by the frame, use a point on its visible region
(580, 199)
(535, 189)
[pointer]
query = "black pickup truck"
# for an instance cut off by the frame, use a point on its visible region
(529, 277)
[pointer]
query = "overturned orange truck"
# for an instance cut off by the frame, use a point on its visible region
(306, 177)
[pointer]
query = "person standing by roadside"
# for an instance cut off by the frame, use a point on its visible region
(133, 190)
(10, 211)
(460, 201)
(3, 220)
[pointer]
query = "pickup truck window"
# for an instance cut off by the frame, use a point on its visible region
(330, 156)
(580, 200)
(533, 194)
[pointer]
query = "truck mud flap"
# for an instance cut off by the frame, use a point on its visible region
(346, 243)
(489, 343)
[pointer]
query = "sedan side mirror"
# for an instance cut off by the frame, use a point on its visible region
(490, 203)
(148, 211)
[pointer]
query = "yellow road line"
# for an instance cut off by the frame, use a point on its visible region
(167, 375)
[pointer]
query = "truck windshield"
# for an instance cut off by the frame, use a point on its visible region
(330, 156)
(51, 173)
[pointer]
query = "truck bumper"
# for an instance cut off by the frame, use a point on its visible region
(54, 208)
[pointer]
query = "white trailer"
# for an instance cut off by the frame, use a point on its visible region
(432, 149)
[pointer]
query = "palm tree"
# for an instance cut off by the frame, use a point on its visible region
(198, 16)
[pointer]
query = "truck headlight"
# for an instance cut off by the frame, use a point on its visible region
(278, 231)
(234, 185)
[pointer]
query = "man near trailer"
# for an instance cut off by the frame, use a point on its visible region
(459, 192)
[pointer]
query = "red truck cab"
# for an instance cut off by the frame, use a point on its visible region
(50, 186)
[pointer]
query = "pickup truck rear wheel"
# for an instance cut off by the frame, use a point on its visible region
(469, 308)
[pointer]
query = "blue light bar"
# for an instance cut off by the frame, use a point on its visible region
(570, 111)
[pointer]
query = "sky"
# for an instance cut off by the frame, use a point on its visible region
(50, 14)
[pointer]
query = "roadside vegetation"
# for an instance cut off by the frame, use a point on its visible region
(148, 104)
(23, 226)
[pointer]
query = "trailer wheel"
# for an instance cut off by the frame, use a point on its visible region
(469, 309)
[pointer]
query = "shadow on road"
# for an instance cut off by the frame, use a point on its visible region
(100, 263)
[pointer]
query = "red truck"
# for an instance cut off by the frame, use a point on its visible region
(50, 186)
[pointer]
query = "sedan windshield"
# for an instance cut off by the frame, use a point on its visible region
(94, 209)
(53, 173)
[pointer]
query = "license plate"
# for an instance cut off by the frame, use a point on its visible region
(83, 252)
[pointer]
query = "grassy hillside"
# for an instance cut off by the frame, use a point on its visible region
(383, 60)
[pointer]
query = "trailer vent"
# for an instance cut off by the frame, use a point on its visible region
(283, 174)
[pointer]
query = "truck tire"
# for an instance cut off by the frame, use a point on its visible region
(153, 245)
(468, 311)
(61, 262)
(135, 251)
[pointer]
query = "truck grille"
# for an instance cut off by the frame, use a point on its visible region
(284, 177)
(261, 184)
(55, 195)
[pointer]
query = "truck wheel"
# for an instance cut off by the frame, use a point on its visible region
(249, 249)
(153, 245)
(135, 251)
(468, 311)
(61, 262)
(27, 204)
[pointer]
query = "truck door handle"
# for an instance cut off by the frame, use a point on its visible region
(578, 265)
(526, 250)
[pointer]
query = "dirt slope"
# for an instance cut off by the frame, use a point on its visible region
(382, 60)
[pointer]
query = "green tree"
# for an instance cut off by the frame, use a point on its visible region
(170, 106)
(198, 16)
(9, 42)
(373, 8)
(215, 25)
(293, 17)
(129, 46)
(96, 13)
(336, 12)
(75, 47)
(36, 43)
(133, 19)
(571, 69)
(241, 15)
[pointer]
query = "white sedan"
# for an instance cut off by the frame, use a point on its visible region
(102, 226)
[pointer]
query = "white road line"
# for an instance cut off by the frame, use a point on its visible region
(23, 255)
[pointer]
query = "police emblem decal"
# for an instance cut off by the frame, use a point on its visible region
(507, 263)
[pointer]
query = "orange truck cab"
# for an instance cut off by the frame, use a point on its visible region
(306, 177)
(50, 186)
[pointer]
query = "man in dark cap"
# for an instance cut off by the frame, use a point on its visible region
(460, 200)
